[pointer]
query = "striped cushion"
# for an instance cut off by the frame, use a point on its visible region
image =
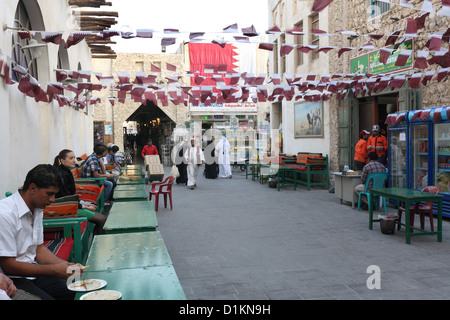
(60, 247)
(88, 192)
(62, 207)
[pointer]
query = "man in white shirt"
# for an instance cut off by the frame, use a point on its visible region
(194, 159)
(23, 257)
(223, 153)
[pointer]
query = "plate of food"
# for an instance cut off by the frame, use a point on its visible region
(102, 295)
(87, 285)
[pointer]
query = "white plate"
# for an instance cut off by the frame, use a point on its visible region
(102, 295)
(87, 285)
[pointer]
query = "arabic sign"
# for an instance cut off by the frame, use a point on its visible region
(226, 107)
(370, 62)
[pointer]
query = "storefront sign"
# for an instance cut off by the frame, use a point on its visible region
(370, 62)
(226, 107)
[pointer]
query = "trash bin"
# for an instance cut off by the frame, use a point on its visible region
(273, 183)
(387, 223)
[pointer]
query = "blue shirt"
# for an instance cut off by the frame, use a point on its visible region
(91, 165)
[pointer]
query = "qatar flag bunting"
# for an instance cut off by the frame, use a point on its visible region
(442, 74)
(421, 60)
(445, 8)
(53, 37)
(427, 77)
(435, 42)
(344, 49)
(403, 57)
(319, 5)
(286, 49)
(384, 54)
(414, 82)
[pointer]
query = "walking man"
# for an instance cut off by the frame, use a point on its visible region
(194, 159)
(223, 154)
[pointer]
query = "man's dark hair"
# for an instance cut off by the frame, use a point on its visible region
(43, 176)
(99, 148)
(114, 148)
(373, 156)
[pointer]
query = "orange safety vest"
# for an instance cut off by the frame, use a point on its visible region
(377, 142)
(361, 151)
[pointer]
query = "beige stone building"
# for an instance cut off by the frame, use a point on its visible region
(343, 119)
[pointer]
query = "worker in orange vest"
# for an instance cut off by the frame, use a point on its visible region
(361, 150)
(377, 143)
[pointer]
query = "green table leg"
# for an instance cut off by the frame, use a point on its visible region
(369, 199)
(407, 222)
(440, 220)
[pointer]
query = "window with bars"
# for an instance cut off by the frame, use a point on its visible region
(378, 7)
(19, 56)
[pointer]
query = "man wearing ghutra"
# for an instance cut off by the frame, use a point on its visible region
(194, 159)
(223, 153)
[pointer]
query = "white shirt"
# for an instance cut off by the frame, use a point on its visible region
(20, 230)
(191, 155)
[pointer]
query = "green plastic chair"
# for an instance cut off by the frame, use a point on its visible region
(379, 180)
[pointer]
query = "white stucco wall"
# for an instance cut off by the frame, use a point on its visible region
(286, 15)
(32, 133)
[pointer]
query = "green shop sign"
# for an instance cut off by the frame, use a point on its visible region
(370, 62)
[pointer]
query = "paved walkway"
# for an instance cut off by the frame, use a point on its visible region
(238, 239)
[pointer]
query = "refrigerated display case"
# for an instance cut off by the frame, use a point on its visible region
(419, 138)
(397, 157)
(426, 148)
(442, 156)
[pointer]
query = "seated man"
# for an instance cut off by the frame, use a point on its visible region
(372, 167)
(94, 168)
(23, 257)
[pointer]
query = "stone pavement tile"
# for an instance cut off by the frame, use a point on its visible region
(286, 294)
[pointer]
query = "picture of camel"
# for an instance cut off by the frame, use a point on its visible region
(308, 122)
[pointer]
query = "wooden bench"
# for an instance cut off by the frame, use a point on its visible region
(309, 165)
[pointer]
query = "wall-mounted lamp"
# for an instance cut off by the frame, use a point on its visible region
(394, 18)
(33, 46)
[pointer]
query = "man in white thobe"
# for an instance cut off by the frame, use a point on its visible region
(223, 154)
(194, 159)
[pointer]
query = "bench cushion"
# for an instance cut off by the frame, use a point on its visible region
(62, 207)
(61, 247)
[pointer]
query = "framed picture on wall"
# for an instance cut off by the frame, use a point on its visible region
(308, 120)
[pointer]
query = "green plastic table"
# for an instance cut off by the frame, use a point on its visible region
(129, 187)
(136, 264)
(133, 216)
(125, 179)
(127, 251)
(154, 283)
(408, 196)
(254, 170)
(133, 166)
(130, 195)
(133, 172)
